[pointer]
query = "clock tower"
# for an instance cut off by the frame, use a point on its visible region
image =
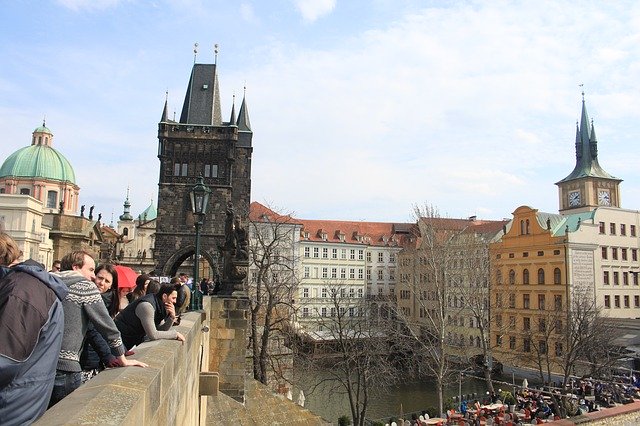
(588, 186)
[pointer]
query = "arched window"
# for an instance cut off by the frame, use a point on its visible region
(512, 277)
(522, 230)
(540, 276)
(527, 226)
(125, 232)
(557, 276)
(525, 276)
(499, 277)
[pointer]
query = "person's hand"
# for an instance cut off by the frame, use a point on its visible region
(129, 353)
(124, 362)
(171, 309)
(180, 337)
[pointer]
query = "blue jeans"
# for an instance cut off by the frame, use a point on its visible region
(64, 383)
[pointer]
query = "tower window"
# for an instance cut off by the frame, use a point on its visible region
(25, 191)
(185, 169)
(176, 169)
(210, 170)
(52, 199)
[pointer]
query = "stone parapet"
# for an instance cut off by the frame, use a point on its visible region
(167, 392)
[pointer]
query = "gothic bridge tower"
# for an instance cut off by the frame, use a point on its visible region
(200, 144)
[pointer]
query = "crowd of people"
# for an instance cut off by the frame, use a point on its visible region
(59, 328)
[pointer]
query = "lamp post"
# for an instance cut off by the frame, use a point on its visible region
(199, 195)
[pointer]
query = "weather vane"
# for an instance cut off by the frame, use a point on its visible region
(195, 52)
(582, 87)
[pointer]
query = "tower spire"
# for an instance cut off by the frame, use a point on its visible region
(164, 111)
(243, 116)
(232, 119)
(126, 214)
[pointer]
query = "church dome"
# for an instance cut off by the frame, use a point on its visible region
(39, 160)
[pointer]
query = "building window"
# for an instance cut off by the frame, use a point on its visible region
(623, 229)
(559, 350)
(360, 273)
(380, 257)
(324, 292)
(306, 272)
(52, 199)
(632, 230)
(368, 256)
(176, 169)
(525, 301)
(557, 276)
(526, 323)
(541, 300)
(498, 339)
(305, 292)
(343, 273)
(635, 278)
(325, 253)
(334, 273)
(307, 252)
(526, 345)
(324, 312)
(512, 300)
(541, 253)
(614, 253)
(525, 254)
(556, 252)
(525, 276)
(626, 302)
(612, 228)
(343, 253)
(602, 225)
(557, 302)
(512, 277)
(392, 258)
(25, 191)
(616, 278)
(184, 170)
(605, 277)
(380, 274)
(360, 254)
(352, 254)
(542, 325)
(616, 301)
(498, 321)
(498, 277)
(625, 278)
(352, 273)
(636, 301)
(604, 252)
(316, 252)
(623, 253)
(542, 345)
(369, 274)
(512, 342)
(210, 170)
(540, 276)
(305, 312)
(607, 302)
(634, 254)
(334, 253)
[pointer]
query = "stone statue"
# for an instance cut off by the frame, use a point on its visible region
(99, 217)
(91, 212)
(82, 210)
(242, 243)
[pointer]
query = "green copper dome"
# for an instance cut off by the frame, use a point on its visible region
(38, 161)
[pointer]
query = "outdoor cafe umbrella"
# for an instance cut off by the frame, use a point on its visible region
(126, 276)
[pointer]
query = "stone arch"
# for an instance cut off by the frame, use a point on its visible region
(170, 268)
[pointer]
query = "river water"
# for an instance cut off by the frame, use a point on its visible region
(410, 396)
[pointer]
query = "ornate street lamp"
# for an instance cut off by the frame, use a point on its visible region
(199, 195)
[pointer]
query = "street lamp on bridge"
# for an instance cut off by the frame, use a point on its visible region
(199, 195)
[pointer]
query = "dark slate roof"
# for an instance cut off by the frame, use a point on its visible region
(243, 117)
(587, 152)
(202, 101)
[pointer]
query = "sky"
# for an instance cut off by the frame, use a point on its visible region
(360, 110)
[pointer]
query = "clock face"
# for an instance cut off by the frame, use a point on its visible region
(574, 198)
(604, 198)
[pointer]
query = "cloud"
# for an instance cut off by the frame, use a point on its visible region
(247, 13)
(311, 10)
(89, 5)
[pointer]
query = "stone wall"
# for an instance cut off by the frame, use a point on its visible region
(167, 392)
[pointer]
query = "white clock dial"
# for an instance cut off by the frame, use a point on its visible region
(574, 198)
(604, 198)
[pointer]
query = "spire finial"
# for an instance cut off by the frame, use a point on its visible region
(195, 51)
(581, 85)
(174, 115)
(215, 54)
(166, 95)
(44, 120)
(127, 192)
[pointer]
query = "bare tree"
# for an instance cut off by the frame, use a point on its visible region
(356, 348)
(273, 252)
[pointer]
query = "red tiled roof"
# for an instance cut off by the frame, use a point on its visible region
(261, 213)
(369, 233)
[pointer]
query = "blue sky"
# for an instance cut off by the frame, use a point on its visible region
(360, 109)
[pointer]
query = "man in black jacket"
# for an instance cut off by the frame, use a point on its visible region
(31, 328)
